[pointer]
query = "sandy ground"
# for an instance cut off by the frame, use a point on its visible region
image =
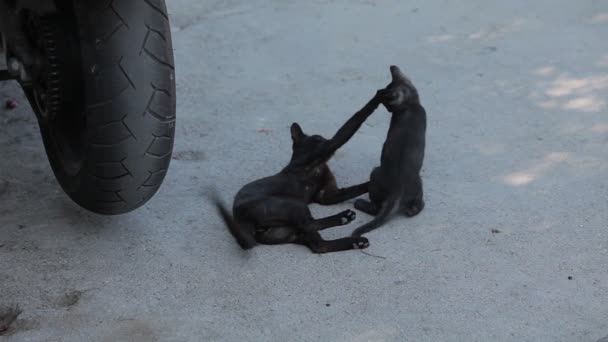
(512, 245)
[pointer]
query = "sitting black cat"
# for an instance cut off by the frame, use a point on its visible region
(397, 179)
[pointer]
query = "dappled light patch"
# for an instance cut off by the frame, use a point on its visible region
(565, 85)
(548, 104)
(529, 175)
(582, 94)
(600, 18)
(600, 128)
(478, 34)
(544, 71)
(519, 178)
(585, 104)
(439, 38)
(575, 164)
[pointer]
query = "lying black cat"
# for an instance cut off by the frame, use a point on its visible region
(397, 179)
(274, 210)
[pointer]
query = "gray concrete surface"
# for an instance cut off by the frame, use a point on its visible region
(515, 176)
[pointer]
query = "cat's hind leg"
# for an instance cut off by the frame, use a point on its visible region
(316, 244)
(296, 214)
(367, 207)
(412, 205)
(376, 195)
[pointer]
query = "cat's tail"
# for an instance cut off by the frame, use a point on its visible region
(381, 217)
(242, 235)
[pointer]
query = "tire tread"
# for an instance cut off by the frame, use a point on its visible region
(129, 103)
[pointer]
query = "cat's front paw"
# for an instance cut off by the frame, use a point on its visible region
(360, 243)
(389, 96)
(347, 216)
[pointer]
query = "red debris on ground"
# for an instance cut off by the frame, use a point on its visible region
(7, 316)
(11, 104)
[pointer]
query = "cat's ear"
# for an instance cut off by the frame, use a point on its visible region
(296, 133)
(396, 74)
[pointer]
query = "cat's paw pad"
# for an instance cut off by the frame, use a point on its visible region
(360, 243)
(347, 216)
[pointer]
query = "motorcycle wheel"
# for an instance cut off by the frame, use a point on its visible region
(107, 114)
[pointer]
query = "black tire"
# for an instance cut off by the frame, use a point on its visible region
(112, 152)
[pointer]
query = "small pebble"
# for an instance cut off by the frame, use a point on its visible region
(569, 277)
(328, 304)
(11, 104)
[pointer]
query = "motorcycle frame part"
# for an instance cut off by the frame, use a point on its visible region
(4, 74)
(41, 53)
(16, 51)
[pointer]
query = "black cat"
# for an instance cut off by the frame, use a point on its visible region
(397, 179)
(274, 210)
